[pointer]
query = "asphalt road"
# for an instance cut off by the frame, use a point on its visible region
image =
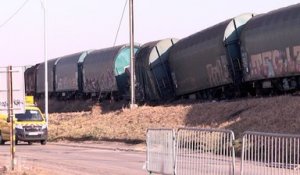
(76, 159)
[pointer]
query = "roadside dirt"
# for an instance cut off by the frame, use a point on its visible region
(32, 171)
(74, 159)
(126, 128)
(273, 114)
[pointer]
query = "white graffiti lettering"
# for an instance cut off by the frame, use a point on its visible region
(275, 62)
(218, 73)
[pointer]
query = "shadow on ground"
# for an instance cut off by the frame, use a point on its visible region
(59, 106)
(272, 115)
(92, 138)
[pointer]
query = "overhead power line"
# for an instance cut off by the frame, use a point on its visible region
(120, 23)
(14, 14)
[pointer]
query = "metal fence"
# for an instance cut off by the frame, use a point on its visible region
(160, 151)
(270, 154)
(204, 151)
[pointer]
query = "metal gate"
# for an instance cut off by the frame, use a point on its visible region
(160, 151)
(270, 154)
(204, 151)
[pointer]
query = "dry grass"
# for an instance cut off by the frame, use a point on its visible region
(122, 125)
(276, 114)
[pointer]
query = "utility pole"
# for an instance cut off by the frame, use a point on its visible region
(132, 59)
(12, 97)
(11, 116)
(45, 60)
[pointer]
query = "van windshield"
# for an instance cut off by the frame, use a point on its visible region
(30, 115)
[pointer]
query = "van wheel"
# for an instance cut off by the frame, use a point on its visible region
(43, 142)
(16, 141)
(2, 142)
(29, 143)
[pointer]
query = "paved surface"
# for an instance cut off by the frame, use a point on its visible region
(87, 158)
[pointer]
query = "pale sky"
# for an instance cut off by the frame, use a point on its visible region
(78, 25)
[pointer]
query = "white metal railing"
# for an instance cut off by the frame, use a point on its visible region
(204, 152)
(270, 154)
(211, 152)
(160, 151)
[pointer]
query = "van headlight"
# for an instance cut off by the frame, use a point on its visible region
(44, 127)
(19, 127)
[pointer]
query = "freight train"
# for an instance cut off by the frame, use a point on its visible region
(246, 55)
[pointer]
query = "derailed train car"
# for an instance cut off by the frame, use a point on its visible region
(40, 77)
(104, 71)
(94, 73)
(153, 80)
(68, 75)
(244, 54)
(270, 46)
(207, 62)
(30, 80)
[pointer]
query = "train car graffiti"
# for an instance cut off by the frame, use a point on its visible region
(218, 73)
(275, 63)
